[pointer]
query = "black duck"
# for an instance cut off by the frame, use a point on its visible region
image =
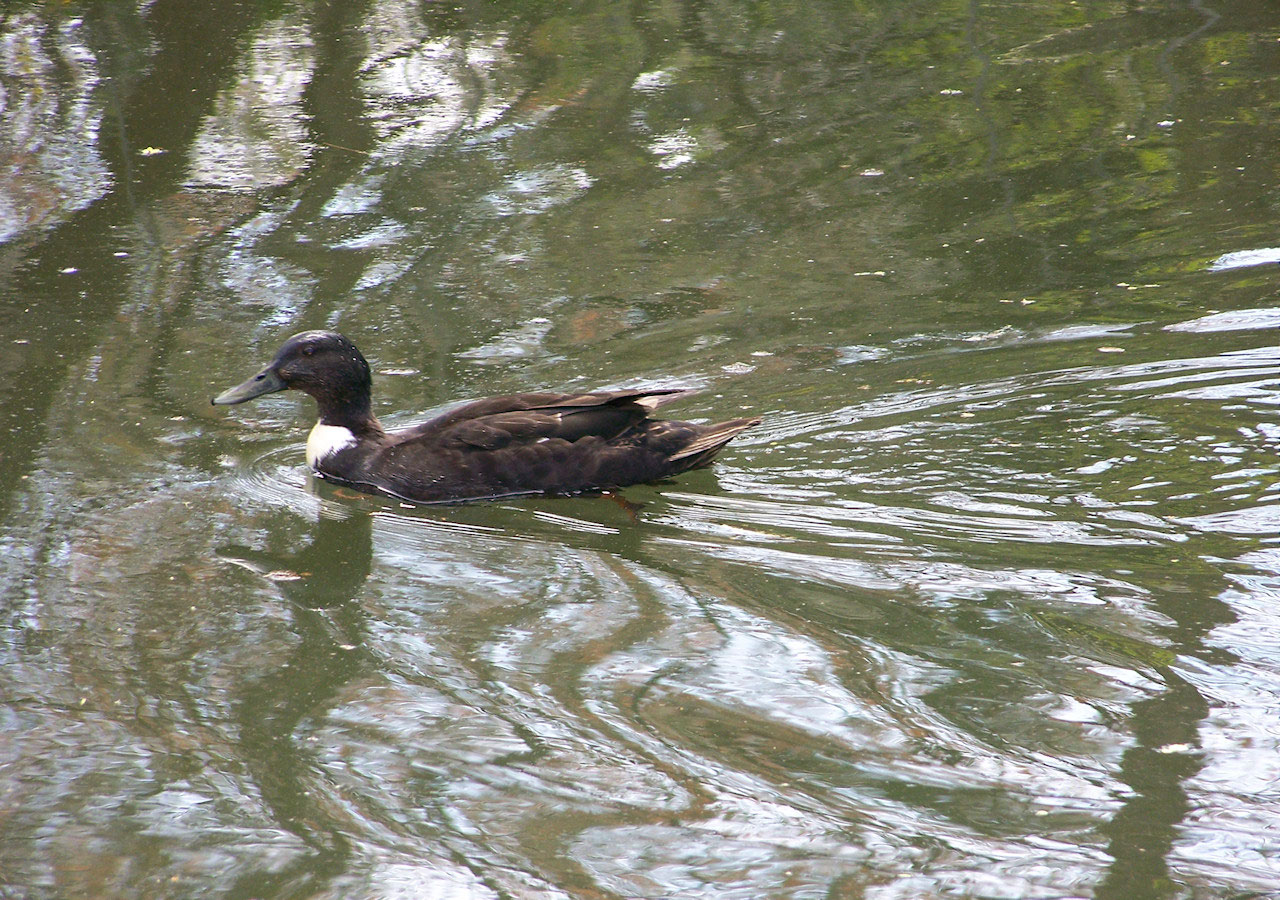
(538, 443)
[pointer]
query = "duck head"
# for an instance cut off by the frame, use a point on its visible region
(323, 364)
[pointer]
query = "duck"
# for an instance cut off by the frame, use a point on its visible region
(520, 444)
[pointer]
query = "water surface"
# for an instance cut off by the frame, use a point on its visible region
(986, 607)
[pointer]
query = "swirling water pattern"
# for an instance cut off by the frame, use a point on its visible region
(985, 607)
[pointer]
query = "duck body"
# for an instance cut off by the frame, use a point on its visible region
(536, 443)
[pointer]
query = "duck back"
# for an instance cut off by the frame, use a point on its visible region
(532, 444)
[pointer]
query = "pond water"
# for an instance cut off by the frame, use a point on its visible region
(986, 607)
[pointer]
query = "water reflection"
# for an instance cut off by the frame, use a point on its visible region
(984, 608)
(1166, 729)
(256, 136)
(322, 581)
(50, 116)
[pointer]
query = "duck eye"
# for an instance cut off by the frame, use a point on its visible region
(308, 351)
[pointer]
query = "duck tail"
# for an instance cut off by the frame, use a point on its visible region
(709, 441)
(658, 397)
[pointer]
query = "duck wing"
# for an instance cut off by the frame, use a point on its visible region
(539, 444)
(501, 422)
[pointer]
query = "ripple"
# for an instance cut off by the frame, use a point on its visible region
(1240, 259)
(902, 632)
(276, 478)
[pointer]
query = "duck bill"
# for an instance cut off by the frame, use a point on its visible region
(265, 382)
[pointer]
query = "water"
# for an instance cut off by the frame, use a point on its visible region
(986, 607)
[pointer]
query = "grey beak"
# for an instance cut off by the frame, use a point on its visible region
(265, 382)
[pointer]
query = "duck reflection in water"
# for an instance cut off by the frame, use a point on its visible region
(322, 583)
(330, 570)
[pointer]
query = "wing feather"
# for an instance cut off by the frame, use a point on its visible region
(501, 422)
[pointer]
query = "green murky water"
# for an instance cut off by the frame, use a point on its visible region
(986, 607)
